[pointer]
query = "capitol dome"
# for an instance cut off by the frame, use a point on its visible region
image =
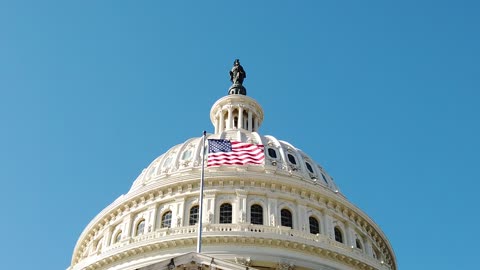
(284, 212)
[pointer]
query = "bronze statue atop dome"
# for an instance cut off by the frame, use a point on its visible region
(237, 75)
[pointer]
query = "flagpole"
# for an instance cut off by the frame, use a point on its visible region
(200, 208)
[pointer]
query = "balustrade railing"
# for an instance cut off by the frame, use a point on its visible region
(244, 229)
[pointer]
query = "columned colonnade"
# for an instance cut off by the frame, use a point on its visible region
(236, 112)
(241, 202)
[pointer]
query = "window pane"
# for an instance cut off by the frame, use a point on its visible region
(358, 244)
(314, 227)
(256, 214)
(292, 159)
(193, 215)
(286, 218)
(140, 227)
(167, 162)
(338, 235)
(167, 220)
(118, 237)
(151, 173)
(272, 153)
(226, 213)
(187, 154)
(309, 167)
(324, 179)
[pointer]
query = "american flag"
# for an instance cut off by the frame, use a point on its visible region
(225, 152)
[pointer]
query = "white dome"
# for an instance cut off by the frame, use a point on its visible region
(285, 213)
(280, 158)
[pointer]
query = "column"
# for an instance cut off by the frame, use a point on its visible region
(128, 226)
(177, 218)
(302, 220)
(156, 218)
(368, 247)
(230, 118)
(240, 117)
(241, 206)
(328, 227)
(250, 123)
(108, 236)
(323, 227)
(222, 122)
(208, 211)
(273, 218)
(255, 124)
(151, 219)
(348, 235)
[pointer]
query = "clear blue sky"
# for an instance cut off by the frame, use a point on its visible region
(384, 94)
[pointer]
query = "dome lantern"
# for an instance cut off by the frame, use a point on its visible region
(236, 111)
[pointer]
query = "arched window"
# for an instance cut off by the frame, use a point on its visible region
(256, 214)
(314, 226)
(309, 167)
(193, 215)
(167, 220)
(167, 162)
(358, 243)
(338, 235)
(226, 213)
(118, 237)
(291, 158)
(140, 228)
(187, 155)
(272, 153)
(324, 179)
(286, 218)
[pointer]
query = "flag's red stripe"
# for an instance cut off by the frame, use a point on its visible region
(224, 162)
(235, 158)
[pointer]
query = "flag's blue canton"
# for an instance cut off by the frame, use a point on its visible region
(216, 146)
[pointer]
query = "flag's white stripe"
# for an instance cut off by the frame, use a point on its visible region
(237, 144)
(245, 147)
(247, 151)
(257, 158)
(236, 160)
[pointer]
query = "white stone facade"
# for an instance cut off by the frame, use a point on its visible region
(151, 226)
